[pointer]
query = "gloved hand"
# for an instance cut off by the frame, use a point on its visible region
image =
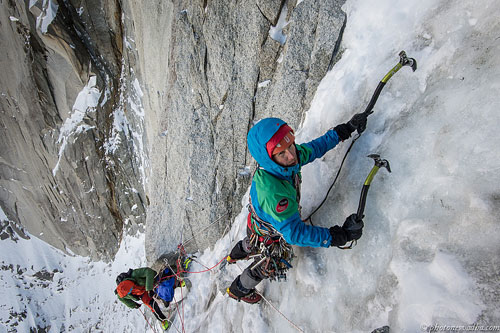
(343, 131)
(353, 227)
(358, 122)
(339, 236)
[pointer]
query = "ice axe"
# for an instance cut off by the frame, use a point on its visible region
(352, 224)
(379, 163)
(403, 61)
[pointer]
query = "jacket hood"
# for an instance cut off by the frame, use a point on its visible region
(257, 138)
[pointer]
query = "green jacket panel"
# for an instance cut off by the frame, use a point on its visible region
(130, 301)
(144, 277)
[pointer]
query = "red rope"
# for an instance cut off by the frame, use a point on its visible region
(183, 271)
(208, 269)
(179, 313)
(182, 300)
(147, 321)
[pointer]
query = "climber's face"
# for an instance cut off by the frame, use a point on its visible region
(287, 157)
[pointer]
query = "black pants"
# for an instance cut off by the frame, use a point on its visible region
(156, 309)
(246, 282)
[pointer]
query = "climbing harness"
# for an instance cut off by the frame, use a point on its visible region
(403, 61)
(272, 253)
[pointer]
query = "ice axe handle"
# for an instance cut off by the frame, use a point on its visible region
(362, 201)
(379, 163)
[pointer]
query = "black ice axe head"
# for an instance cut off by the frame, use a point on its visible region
(380, 163)
(405, 61)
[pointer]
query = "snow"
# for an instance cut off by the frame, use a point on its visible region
(431, 237)
(47, 288)
(263, 84)
(48, 14)
(3, 216)
(276, 32)
(130, 100)
(86, 102)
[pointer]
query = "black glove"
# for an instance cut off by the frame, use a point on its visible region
(343, 131)
(358, 122)
(137, 305)
(353, 227)
(339, 236)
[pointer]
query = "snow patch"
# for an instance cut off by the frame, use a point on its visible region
(85, 103)
(46, 287)
(48, 14)
(276, 32)
(264, 84)
(3, 216)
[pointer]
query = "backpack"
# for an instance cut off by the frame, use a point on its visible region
(124, 276)
(165, 289)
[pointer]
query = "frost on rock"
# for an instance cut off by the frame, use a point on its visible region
(130, 100)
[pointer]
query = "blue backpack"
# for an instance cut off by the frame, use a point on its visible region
(165, 289)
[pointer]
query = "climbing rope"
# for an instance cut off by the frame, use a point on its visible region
(309, 218)
(180, 269)
(147, 321)
(281, 313)
(181, 318)
(271, 304)
(203, 229)
(189, 272)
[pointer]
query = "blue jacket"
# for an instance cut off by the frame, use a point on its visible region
(273, 195)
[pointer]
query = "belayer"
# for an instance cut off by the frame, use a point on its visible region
(144, 284)
(274, 221)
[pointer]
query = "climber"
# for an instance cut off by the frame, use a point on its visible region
(274, 222)
(145, 284)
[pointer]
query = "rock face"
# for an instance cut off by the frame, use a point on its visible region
(224, 72)
(60, 88)
(113, 109)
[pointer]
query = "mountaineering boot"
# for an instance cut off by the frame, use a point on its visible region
(179, 283)
(251, 298)
(237, 253)
(240, 293)
(231, 260)
(164, 325)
